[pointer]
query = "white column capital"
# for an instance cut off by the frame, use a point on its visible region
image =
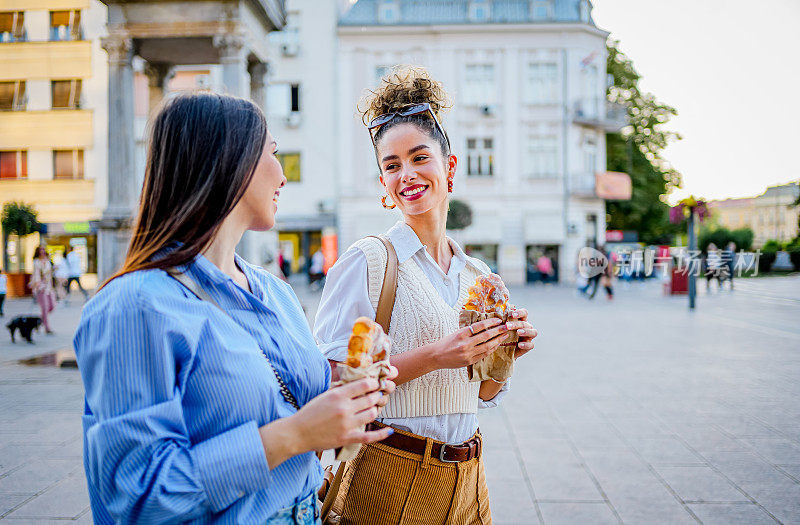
(230, 46)
(119, 48)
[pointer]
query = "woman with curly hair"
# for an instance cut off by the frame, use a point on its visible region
(430, 471)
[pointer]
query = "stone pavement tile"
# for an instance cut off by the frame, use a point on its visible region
(502, 465)
(731, 514)
(664, 450)
(633, 490)
(565, 481)
(700, 484)
(709, 439)
(547, 452)
(781, 500)
(745, 466)
(38, 474)
(67, 499)
(779, 451)
(511, 503)
(9, 501)
(593, 434)
(568, 513)
(743, 426)
(14, 455)
(792, 470)
(639, 426)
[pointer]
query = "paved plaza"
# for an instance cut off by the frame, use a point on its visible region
(628, 411)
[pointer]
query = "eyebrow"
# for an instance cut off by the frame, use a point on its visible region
(410, 152)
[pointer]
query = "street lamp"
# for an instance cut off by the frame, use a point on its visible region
(686, 210)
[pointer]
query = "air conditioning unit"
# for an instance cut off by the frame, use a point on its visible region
(290, 50)
(488, 110)
(293, 119)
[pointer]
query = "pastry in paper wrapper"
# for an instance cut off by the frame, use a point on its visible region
(488, 298)
(367, 356)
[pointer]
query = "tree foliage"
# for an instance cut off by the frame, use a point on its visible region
(636, 150)
(18, 219)
(720, 236)
(459, 215)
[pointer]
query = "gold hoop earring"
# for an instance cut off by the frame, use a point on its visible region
(383, 202)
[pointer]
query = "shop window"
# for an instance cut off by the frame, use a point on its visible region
(66, 94)
(12, 95)
(290, 162)
(68, 164)
(13, 165)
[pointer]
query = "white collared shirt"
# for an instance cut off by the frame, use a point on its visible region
(346, 297)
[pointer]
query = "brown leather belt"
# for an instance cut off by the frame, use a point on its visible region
(446, 452)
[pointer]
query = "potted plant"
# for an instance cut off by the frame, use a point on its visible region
(18, 219)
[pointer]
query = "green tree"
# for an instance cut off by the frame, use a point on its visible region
(636, 150)
(18, 219)
(459, 215)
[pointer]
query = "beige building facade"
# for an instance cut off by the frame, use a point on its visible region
(771, 215)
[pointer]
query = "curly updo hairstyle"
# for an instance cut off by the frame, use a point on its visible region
(405, 86)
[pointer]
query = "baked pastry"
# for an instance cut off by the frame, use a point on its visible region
(487, 298)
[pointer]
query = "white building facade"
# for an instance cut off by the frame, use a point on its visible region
(528, 82)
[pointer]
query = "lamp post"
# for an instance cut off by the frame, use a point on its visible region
(686, 210)
(692, 250)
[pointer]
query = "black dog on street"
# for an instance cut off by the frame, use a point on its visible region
(26, 324)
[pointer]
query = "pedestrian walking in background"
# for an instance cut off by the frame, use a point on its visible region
(42, 286)
(3, 289)
(205, 394)
(545, 266)
(729, 257)
(316, 272)
(715, 269)
(75, 266)
(61, 274)
(605, 278)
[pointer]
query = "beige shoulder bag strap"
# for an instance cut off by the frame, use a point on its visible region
(383, 316)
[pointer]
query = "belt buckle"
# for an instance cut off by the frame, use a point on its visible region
(443, 448)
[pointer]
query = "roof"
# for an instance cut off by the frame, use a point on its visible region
(442, 12)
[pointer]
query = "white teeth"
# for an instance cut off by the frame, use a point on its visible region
(414, 192)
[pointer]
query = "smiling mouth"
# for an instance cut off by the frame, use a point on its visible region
(414, 192)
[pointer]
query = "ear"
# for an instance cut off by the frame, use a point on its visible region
(452, 163)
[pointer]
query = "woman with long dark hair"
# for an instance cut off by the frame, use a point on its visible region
(206, 395)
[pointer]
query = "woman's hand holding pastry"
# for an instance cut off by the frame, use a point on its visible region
(469, 345)
(525, 331)
(387, 386)
(328, 421)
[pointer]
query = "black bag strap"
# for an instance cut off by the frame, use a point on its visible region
(191, 285)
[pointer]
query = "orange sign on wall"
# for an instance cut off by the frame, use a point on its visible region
(330, 249)
(613, 185)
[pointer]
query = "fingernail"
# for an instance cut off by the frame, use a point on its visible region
(391, 432)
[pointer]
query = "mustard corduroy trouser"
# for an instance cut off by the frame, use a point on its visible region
(387, 486)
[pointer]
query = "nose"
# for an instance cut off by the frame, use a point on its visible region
(408, 174)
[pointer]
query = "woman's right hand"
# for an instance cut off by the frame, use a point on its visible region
(466, 347)
(330, 420)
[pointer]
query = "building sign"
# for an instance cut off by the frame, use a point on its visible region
(613, 185)
(614, 235)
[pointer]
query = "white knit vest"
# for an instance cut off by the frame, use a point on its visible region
(420, 317)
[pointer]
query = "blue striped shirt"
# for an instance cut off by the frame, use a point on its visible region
(176, 391)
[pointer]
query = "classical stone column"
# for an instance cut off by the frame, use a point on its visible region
(114, 226)
(158, 74)
(232, 60)
(258, 84)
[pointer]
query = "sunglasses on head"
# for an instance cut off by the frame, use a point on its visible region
(415, 109)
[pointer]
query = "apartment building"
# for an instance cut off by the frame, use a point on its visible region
(53, 124)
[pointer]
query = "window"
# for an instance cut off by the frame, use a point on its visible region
(283, 99)
(13, 165)
(542, 83)
(585, 10)
(590, 105)
(479, 11)
(479, 86)
(589, 155)
(65, 25)
(542, 10)
(388, 12)
(12, 95)
(542, 161)
(480, 157)
(68, 164)
(290, 162)
(66, 94)
(12, 26)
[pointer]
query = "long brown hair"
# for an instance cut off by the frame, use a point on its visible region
(203, 150)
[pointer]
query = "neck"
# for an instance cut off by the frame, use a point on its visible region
(430, 227)
(220, 251)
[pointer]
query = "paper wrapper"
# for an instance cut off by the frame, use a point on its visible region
(348, 374)
(499, 365)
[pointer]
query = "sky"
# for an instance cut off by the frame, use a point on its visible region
(732, 70)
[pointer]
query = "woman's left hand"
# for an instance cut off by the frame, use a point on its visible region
(387, 387)
(525, 331)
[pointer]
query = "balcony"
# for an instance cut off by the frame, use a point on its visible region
(57, 129)
(46, 5)
(582, 184)
(55, 200)
(600, 113)
(45, 60)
